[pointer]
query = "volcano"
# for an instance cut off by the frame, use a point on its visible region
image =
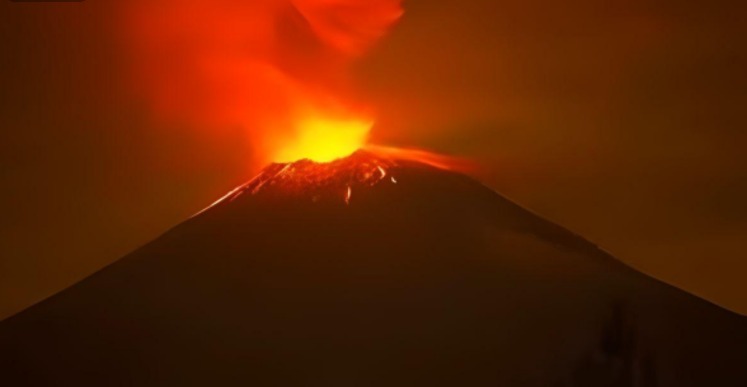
(371, 271)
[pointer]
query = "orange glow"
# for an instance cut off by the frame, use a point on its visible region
(262, 66)
(324, 140)
(421, 156)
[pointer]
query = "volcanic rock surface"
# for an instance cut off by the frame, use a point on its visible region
(371, 271)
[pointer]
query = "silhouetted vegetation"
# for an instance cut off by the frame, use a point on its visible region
(619, 360)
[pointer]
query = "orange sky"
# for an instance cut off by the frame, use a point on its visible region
(621, 120)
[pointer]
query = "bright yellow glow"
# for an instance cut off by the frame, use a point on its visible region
(324, 140)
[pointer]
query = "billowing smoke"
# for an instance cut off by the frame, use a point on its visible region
(277, 68)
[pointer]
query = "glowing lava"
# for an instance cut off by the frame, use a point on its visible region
(323, 140)
(335, 181)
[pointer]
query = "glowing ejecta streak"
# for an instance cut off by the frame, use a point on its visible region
(224, 197)
(383, 172)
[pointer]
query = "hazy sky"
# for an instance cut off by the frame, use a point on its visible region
(621, 120)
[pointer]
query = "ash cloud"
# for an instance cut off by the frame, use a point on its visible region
(260, 65)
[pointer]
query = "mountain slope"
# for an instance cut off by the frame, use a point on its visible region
(370, 272)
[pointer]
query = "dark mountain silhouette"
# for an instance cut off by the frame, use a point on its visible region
(371, 272)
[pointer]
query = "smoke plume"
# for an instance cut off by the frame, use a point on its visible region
(273, 67)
